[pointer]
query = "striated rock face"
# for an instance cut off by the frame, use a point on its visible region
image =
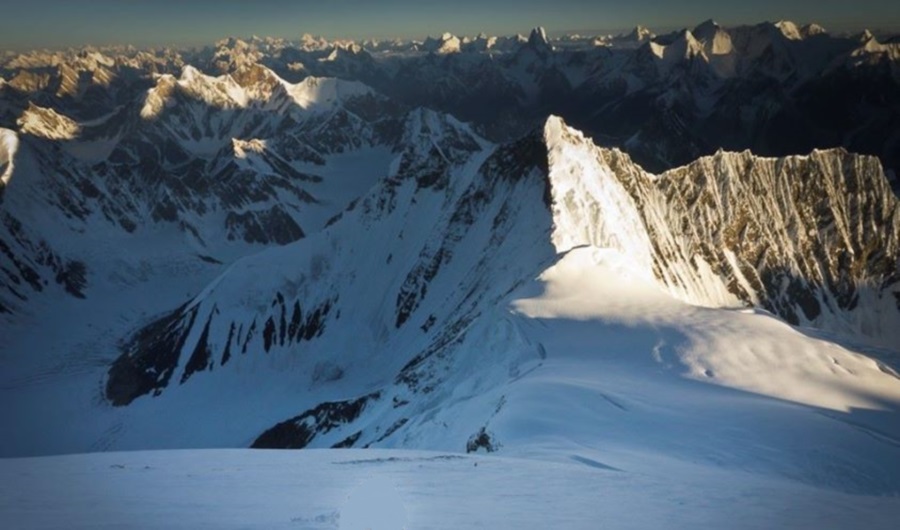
(801, 236)
(806, 237)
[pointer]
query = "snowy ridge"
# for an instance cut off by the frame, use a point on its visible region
(252, 85)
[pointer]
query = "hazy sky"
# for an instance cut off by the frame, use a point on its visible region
(55, 23)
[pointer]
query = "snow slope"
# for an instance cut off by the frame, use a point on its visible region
(428, 490)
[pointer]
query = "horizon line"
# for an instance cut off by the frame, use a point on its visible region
(553, 33)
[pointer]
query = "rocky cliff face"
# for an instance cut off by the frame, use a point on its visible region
(806, 237)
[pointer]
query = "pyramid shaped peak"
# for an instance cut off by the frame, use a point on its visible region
(637, 35)
(789, 29)
(538, 37)
(812, 29)
(707, 28)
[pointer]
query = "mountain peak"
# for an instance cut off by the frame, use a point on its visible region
(812, 29)
(640, 34)
(447, 43)
(706, 29)
(47, 123)
(789, 29)
(556, 131)
(716, 41)
(538, 38)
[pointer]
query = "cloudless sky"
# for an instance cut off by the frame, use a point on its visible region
(57, 23)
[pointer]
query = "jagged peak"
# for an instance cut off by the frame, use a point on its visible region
(231, 42)
(682, 46)
(425, 129)
(789, 29)
(326, 91)
(425, 119)
(343, 49)
(260, 82)
(716, 41)
(446, 43)
(538, 38)
(708, 24)
(221, 91)
(159, 96)
(47, 123)
(707, 29)
(242, 148)
(309, 41)
(190, 73)
(638, 34)
(692, 44)
(250, 84)
(556, 131)
(865, 36)
(812, 29)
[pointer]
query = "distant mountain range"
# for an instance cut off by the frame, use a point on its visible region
(774, 88)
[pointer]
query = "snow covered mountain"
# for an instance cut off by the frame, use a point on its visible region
(489, 219)
(253, 252)
(219, 160)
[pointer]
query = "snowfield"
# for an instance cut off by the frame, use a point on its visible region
(332, 489)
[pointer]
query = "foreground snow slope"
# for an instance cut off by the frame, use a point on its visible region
(330, 489)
